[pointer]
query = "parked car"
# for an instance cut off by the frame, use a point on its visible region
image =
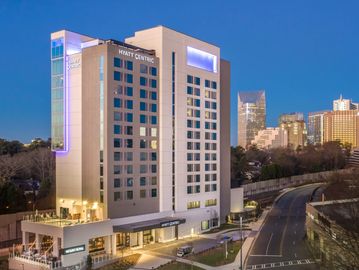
(184, 250)
(225, 238)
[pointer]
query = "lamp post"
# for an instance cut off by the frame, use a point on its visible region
(241, 232)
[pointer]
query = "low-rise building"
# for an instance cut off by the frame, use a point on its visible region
(271, 138)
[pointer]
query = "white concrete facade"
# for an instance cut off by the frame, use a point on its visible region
(271, 138)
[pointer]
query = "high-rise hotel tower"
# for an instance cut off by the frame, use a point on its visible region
(141, 134)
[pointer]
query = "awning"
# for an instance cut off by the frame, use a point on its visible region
(149, 224)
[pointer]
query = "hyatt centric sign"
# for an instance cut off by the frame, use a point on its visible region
(137, 56)
(170, 223)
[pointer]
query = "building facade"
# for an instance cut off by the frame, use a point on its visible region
(342, 126)
(296, 132)
(137, 128)
(251, 116)
(271, 138)
(342, 104)
(291, 117)
(316, 127)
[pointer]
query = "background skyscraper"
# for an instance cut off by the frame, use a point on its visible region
(342, 104)
(316, 127)
(251, 115)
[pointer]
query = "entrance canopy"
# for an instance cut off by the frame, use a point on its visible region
(148, 225)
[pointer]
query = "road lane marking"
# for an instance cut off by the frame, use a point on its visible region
(270, 239)
(266, 255)
(280, 264)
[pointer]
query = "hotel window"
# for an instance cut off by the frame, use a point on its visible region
(189, 90)
(153, 95)
(143, 106)
(129, 91)
(153, 83)
(192, 205)
(117, 182)
(153, 132)
(117, 129)
(154, 180)
(153, 144)
(128, 143)
(143, 68)
(129, 195)
(117, 143)
(117, 62)
(142, 131)
(207, 83)
(198, 178)
(129, 182)
(117, 169)
(153, 192)
(143, 81)
(211, 202)
(205, 225)
(154, 120)
(129, 78)
(129, 169)
(153, 156)
(189, 79)
(128, 130)
(143, 93)
(129, 65)
(153, 168)
(142, 181)
(117, 196)
(117, 75)
(207, 188)
(214, 85)
(143, 168)
(214, 187)
(197, 81)
(197, 92)
(117, 116)
(129, 104)
(153, 71)
(143, 156)
(129, 117)
(143, 119)
(117, 156)
(153, 108)
(142, 193)
(142, 143)
(117, 103)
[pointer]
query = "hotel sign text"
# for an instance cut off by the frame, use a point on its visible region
(137, 56)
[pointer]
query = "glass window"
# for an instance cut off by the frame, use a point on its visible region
(117, 116)
(129, 91)
(142, 193)
(143, 119)
(129, 65)
(117, 169)
(153, 107)
(143, 168)
(143, 156)
(129, 117)
(117, 76)
(143, 68)
(129, 78)
(214, 85)
(142, 181)
(117, 62)
(117, 196)
(117, 182)
(129, 195)
(117, 102)
(116, 142)
(153, 95)
(197, 81)
(117, 129)
(128, 130)
(142, 143)
(207, 83)
(143, 93)
(154, 120)
(189, 90)
(142, 131)
(153, 71)
(189, 79)
(128, 143)
(153, 192)
(117, 156)
(129, 156)
(153, 132)
(153, 156)
(143, 106)
(143, 81)
(153, 168)
(153, 83)
(129, 104)
(129, 182)
(154, 180)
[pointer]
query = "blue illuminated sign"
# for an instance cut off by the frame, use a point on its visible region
(200, 59)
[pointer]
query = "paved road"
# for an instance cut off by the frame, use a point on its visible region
(280, 243)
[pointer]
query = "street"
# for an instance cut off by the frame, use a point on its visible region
(280, 242)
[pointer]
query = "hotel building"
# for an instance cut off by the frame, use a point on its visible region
(251, 116)
(141, 141)
(271, 138)
(296, 132)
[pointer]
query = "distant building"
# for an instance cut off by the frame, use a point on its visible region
(271, 138)
(316, 127)
(342, 126)
(251, 115)
(291, 117)
(344, 104)
(297, 133)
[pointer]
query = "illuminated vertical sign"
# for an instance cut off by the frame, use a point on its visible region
(201, 59)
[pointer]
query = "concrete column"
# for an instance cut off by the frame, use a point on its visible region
(107, 243)
(25, 240)
(140, 238)
(56, 246)
(38, 238)
(114, 243)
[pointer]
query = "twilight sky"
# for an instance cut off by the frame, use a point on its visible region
(304, 53)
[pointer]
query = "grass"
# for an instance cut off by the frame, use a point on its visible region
(216, 256)
(179, 266)
(4, 264)
(226, 226)
(124, 263)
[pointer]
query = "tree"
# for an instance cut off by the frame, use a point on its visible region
(12, 198)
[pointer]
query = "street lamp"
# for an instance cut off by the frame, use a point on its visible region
(241, 233)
